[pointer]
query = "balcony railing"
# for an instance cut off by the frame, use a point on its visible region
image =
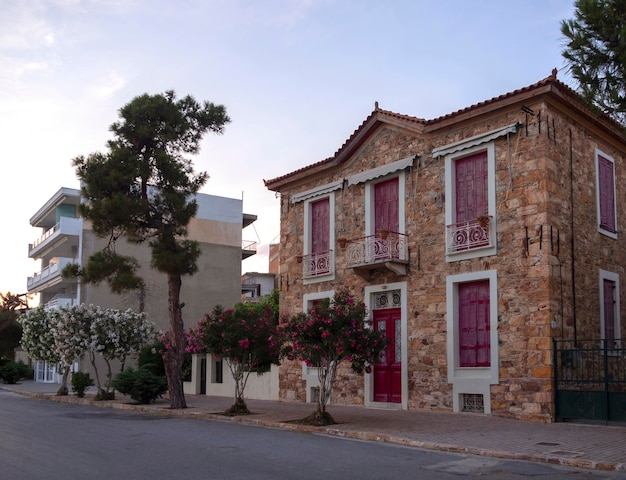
(248, 248)
(66, 226)
(58, 302)
(375, 249)
(53, 270)
(316, 264)
(464, 236)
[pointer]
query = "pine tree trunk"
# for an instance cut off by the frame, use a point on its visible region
(174, 357)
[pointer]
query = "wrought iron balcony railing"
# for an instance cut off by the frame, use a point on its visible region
(316, 264)
(464, 236)
(375, 249)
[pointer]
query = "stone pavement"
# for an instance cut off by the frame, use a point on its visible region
(568, 444)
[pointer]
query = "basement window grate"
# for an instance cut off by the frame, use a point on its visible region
(473, 402)
(315, 394)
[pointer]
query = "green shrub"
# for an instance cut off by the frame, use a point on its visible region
(80, 382)
(150, 357)
(142, 385)
(11, 372)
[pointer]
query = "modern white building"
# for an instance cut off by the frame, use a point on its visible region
(68, 238)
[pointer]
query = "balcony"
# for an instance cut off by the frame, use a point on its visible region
(388, 250)
(317, 264)
(248, 248)
(59, 302)
(464, 236)
(58, 240)
(49, 276)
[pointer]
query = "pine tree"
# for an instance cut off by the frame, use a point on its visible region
(595, 53)
(142, 190)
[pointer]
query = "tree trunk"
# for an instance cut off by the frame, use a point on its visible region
(63, 390)
(174, 356)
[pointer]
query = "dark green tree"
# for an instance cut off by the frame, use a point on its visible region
(595, 53)
(142, 190)
(10, 330)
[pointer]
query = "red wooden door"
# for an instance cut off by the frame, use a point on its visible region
(386, 206)
(474, 326)
(609, 312)
(320, 226)
(387, 371)
(471, 187)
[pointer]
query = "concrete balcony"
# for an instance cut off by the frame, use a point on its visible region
(61, 240)
(248, 248)
(49, 277)
(388, 250)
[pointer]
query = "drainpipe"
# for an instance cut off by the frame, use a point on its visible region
(571, 201)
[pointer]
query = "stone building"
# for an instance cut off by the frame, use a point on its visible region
(476, 240)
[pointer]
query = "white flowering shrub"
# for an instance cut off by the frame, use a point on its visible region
(65, 334)
(37, 338)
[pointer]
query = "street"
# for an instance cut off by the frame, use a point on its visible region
(48, 440)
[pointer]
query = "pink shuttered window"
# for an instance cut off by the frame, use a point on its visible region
(474, 326)
(386, 207)
(606, 194)
(609, 311)
(471, 187)
(320, 226)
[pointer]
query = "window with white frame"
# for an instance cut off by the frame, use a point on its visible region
(472, 343)
(385, 210)
(318, 258)
(605, 193)
(470, 202)
(310, 374)
(472, 320)
(609, 308)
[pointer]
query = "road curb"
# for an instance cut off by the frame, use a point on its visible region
(330, 431)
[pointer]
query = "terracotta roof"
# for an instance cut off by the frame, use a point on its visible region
(379, 116)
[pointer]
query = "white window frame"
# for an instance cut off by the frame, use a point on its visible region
(369, 202)
(466, 380)
(600, 153)
(309, 374)
(331, 239)
(450, 185)
(614, 277)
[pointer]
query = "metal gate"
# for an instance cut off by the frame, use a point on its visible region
(590, 380)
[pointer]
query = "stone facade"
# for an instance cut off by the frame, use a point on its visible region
(543, 264)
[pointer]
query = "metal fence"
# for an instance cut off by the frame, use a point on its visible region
(590, 380)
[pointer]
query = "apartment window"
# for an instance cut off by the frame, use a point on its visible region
(609, 308)
(605, 180)
(470, 203)
(318, 260)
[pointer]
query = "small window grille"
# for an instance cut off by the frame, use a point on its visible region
(473, 402)
(315, 394)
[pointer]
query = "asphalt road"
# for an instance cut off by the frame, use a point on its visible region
(48, 440)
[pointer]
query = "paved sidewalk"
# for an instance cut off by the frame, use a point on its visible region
(585, 446)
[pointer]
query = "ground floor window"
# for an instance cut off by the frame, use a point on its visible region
(472, 343)
(609, 308)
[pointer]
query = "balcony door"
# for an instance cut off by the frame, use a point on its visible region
(386, 206)
(471, 187)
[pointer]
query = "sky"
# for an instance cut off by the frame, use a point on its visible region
(297, 77)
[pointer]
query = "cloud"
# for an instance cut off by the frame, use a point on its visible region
(108, 86)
